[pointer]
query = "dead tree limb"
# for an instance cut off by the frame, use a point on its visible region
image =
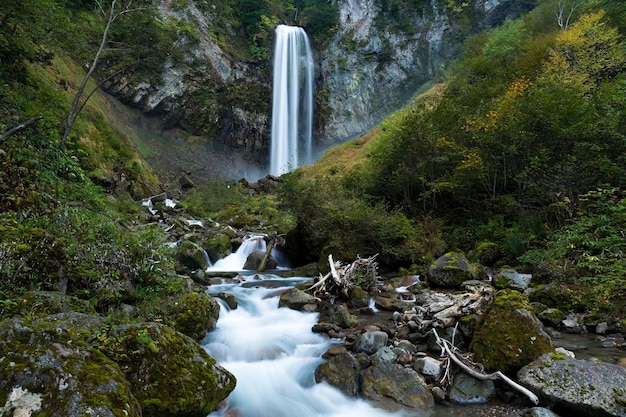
(445, 348)
(19, 128)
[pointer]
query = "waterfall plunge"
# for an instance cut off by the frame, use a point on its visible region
(292, 101)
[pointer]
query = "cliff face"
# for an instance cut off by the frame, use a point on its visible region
(373, 64)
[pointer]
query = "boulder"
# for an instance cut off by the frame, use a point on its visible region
(468, 390)
(341, 371)
(510, 278)
(581, 387)
(449, 271)
(193, 256)
(509, 334)
(370, 342)
(253, 261)
(296, 299)
(48, 368)
(359, 298)
(195, 314)
(340, 316)
(169, 372)
(395, 387)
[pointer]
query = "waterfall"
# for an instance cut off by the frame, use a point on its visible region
(292, 100)
(236, 261)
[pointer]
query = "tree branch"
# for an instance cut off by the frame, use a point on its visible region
(445, 347)
(19, 128)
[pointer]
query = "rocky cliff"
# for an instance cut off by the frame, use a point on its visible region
(377, 58)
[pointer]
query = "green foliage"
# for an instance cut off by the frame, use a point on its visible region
(592, 245)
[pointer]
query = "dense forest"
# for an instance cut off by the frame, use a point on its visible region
(515, 156)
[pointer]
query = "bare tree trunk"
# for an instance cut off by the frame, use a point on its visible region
(76, 103)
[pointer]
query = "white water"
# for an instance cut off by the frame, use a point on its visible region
(292, 100)
(273, 353)
(235, 261)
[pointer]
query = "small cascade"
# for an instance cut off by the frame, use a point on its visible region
(236, 261)
(292, 100)
(273, 353)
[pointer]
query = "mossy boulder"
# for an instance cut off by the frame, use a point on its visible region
(194, 314)
(48, 368)
(486, 253)
(253, 261)
(509, 334)
(192, 255)
(450, 270)
(555, 295)
(170, 373)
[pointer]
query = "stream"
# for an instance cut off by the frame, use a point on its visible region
(273, 353)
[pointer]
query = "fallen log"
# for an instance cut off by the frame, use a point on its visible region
(447, 351)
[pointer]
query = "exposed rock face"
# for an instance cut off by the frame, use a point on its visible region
(509, 334)
(370, 68)
(582, 387)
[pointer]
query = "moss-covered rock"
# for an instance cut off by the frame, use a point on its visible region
(486, 253)
(450, 270)
(44, 303)
(555, 295)
(194, 314)
(192, 255)
(510, 278)
(170, 373)
(48, 362)
(509, 334)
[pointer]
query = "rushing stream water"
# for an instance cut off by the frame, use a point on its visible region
(273, 353)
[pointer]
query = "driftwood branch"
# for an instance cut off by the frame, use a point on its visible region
(342, 278)
(445, 347)
(19, 128)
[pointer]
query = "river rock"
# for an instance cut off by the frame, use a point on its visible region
(429, 367)
(510, 278)
(450, 270)
(394, 387)
(534, 412)
(468, 390)
(509, 334)
(253, 261)
(340, 316)
(192, 255)
(370, 342)
(359, 298)
(48, 368)
(169, 372)
(195, 314)
(341, 371)
(296, 299)
(551, 316)
(585, 388)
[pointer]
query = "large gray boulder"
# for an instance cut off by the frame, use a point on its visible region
(394, 387)
(584, 388)
(449, 270)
